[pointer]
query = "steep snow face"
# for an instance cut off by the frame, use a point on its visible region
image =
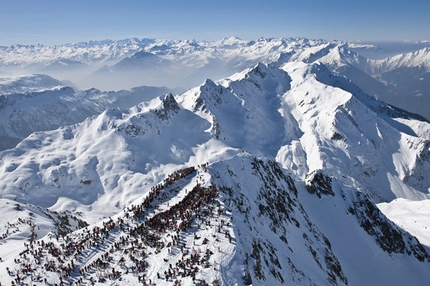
(412, 216)
(243, 109)
(360, 234)
(350, 131)
(276, 240)
(274, 224)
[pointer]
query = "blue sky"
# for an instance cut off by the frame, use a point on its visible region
(52, 22)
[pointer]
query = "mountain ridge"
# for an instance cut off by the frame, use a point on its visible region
(39, 102)
(116, 65)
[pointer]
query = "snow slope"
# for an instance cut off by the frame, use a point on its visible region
(269, 176)
(39, 102)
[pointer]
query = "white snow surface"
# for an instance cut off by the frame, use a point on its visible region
(417, 59)
(413, 216)
(260, 138)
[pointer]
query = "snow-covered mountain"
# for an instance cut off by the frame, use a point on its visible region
(407, 77)
(417, 59)
(134, 62)
(381, 50)
(39, 102)
(269, 176)
(401, 79)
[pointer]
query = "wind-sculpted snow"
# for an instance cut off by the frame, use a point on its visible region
(267, 177)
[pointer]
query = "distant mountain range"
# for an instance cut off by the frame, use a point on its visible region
(274, 175)
(394, 72)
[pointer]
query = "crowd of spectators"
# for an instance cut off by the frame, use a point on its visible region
(122, 244)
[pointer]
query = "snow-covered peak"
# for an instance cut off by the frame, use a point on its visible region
(25, 84)
(361, 46)
(418, 59)
(232, 42)
(341, 114)
(335, 55)
(269, 176)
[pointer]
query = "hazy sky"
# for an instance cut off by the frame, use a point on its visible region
(52, 22)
